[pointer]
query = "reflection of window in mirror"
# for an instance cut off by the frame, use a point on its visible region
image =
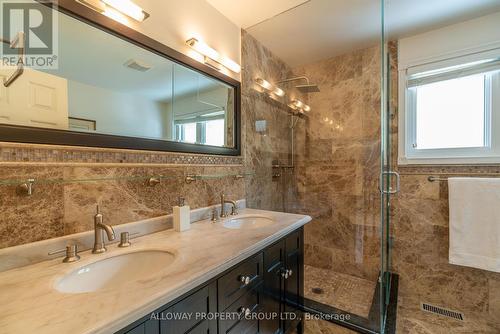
(200, 107)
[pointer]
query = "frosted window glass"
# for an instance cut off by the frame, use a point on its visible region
(450, 114)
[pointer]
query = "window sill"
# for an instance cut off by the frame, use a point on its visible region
(403, 161)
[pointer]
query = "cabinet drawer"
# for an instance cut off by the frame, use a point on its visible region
(148, 327)
(231, 287)
(203, 328)
(250, 300)
(202, 301)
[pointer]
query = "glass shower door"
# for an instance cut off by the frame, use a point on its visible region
(389, 179)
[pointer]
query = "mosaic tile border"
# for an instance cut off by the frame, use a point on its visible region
(31, 153)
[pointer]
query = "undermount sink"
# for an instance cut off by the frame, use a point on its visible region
(248, 222)
(115, 271)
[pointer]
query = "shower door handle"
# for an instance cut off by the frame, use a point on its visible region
(390, 191)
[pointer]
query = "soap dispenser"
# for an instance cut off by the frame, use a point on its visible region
(182, 216)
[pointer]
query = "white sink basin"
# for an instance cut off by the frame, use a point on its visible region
(115, 271)
(248, 222)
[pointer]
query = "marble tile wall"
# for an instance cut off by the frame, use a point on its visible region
(271, 146)
(338, 164)
(57, 209)
(420, 230)
(420, 250)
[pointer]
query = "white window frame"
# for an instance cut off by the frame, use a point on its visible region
(409, 155)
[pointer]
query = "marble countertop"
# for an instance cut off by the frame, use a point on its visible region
(30, 304)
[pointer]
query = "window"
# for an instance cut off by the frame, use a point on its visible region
(451, 111)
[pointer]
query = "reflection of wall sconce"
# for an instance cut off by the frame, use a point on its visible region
(279, 92)
(299, 105)
(269, 87)
(212, 55)
(125, 7)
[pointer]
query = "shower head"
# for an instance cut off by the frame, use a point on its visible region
(309, 88)
(304, 88)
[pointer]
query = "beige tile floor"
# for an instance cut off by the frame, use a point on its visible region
(345, 292)
(324, 327)
(355, 295)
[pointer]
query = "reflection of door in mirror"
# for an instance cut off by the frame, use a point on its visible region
(35, 99)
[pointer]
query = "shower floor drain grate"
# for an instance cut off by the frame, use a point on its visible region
(317, 291)
(442, 311)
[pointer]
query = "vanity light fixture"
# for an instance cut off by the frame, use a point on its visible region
(128, 8)
(213, 55)
(125, 7)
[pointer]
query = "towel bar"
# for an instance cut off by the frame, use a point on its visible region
(439, 178)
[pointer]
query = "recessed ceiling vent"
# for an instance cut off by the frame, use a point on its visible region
(138, 65)
(442, 311)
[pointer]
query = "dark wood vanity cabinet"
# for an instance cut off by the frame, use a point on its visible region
(283, 284)
(266, 287)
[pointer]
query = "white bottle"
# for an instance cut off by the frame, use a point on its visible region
(182, 216)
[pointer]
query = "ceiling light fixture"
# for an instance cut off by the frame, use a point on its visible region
(114, 9)
(213, 55)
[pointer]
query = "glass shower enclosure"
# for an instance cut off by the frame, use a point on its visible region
(348, 194)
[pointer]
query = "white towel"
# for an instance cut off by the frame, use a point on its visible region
(475, 222)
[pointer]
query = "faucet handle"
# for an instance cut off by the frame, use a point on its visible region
(234, 210)
(125, 239)
(71, 253)
(214, 215)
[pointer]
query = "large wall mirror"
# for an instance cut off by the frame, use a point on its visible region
(114, 87)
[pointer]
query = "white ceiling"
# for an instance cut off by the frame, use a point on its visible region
(320, 29)
(253, 12)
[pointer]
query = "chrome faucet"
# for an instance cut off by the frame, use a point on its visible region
(99, 229)
(223, 201)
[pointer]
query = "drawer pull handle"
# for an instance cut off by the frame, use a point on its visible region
(286, 273)
(245, 311)
(245, 280)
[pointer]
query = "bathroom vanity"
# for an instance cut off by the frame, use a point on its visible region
(269, 282)
(242, 274)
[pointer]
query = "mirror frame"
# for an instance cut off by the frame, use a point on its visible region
(33, 135)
